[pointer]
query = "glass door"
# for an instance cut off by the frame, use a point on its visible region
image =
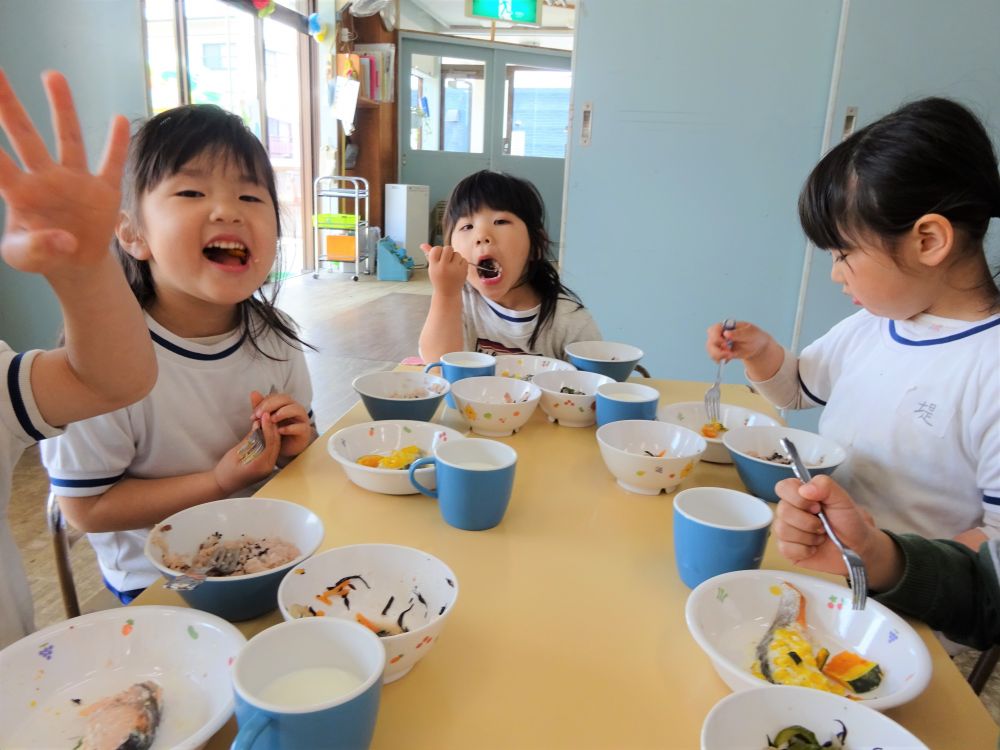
(475, 105)
(210, 52)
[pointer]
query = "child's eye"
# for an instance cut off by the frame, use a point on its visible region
(190, 194)
(464, 227)
(251, 199)
(501, 221)
(839, 257)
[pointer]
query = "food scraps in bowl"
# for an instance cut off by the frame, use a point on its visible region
(393, 619)
(572, 391)
(397, 459)
(780, 458)
(787, 655)
(128, 719)
(713, 430)
(798, 737)
(431, 390)
(248, 554)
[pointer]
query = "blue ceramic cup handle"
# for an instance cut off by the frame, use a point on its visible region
(249, 732)
(413, 480)
(432, 365)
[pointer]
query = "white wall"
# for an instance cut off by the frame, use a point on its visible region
(98, 45)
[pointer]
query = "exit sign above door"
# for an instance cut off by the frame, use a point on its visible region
(513, 11)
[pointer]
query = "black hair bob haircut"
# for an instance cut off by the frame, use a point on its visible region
(159, 149)
(505, 192)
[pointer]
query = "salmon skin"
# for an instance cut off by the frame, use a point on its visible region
(126, 721)
(785, 655)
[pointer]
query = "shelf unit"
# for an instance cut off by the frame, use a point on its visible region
(331, 195)
(374, 122)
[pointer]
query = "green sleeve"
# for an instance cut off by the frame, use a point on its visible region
(950, 587)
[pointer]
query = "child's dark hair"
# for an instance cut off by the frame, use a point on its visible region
(159, 149)
(505, 192)
(930, 156)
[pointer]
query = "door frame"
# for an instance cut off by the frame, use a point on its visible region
(496, 56)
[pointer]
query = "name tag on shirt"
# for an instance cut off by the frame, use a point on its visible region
(926, 411)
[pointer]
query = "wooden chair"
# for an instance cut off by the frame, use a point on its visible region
(60, 546)
(983, 668)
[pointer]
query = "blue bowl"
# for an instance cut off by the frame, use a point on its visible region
(750, 447)
(605, 357)
(240, 597)
(401, 395)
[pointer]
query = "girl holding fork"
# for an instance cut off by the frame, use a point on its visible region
(911, 382)
(197, 237)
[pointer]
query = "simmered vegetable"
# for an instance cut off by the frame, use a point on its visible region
(854, 671)
(797, 737)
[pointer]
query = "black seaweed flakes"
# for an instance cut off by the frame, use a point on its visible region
(399, 620)
(388, 604)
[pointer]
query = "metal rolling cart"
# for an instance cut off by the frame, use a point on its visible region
(338, 236)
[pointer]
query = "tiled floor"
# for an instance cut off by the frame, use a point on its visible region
(357, 327)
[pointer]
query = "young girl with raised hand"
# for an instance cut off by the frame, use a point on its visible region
(494, 289)
(197, 236)
(59, 221)
(911, 383)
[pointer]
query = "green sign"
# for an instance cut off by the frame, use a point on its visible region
(514, 11)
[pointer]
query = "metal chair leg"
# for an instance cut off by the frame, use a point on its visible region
(60, 546)
(983, 668)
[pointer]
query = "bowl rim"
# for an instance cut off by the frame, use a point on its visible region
(909, 691)
(344, 461)
(605, 444)
(634, 348)
(739, 696)
(561, 364)
(214, 722)
(440, 381)
(450, 574)
(534, 391)
(718, 440)
(791, 431)
(596, 375)
(217, 580)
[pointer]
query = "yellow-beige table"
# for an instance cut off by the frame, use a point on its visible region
(568, 631)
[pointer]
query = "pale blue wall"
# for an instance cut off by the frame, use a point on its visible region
(707, 116)
(98, 45)
(897, 51)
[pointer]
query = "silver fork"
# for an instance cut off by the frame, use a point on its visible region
(855, 565)
(712, 395)
(223, 562)
(254, 445)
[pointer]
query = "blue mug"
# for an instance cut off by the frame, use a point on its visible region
(475, 478)
(458, 365)
(314, 682)
(718, 531)
(617, 401)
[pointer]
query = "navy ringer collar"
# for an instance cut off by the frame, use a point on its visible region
(190, 349)
(899, 338)
(504, 313)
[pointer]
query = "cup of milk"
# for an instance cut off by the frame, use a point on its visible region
(457, 365)
(475, 478)
(313, 682)
(616, 401)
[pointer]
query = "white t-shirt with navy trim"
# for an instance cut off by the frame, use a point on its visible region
(494, 329)
(916, 403)
(21, 425)
(197, 411)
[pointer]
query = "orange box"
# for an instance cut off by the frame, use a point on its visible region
(340, 247)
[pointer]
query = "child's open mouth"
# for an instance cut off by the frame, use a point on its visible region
(487, 268)
(227, 253)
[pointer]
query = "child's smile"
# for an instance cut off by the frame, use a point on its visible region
(227, 251)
